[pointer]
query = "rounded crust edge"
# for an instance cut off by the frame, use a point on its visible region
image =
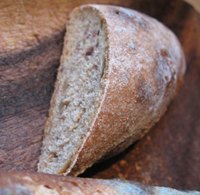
(108, 123)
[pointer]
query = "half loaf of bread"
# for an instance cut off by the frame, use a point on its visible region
(119, 71)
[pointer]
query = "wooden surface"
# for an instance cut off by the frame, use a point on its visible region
(31, 34)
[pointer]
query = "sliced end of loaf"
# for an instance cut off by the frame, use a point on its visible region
(77, 93)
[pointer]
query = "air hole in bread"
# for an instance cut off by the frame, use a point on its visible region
(117, 12)
(47, 186)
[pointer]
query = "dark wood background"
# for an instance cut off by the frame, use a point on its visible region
(31, 34)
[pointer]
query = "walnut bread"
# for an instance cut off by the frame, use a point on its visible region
(119, 71)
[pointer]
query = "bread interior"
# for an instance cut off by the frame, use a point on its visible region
(78, 91)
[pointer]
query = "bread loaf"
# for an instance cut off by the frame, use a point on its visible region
(20, 183)
(119, 71)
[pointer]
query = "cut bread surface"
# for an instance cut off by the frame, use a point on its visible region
(77, 93)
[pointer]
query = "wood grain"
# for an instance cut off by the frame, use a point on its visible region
(31, 34)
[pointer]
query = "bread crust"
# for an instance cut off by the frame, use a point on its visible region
(25, 183)
(144, 67)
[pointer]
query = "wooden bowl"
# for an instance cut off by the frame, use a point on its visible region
(31, 34)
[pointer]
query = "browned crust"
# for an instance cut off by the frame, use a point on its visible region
(139, 92)
(37, 183)
(27, 183)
